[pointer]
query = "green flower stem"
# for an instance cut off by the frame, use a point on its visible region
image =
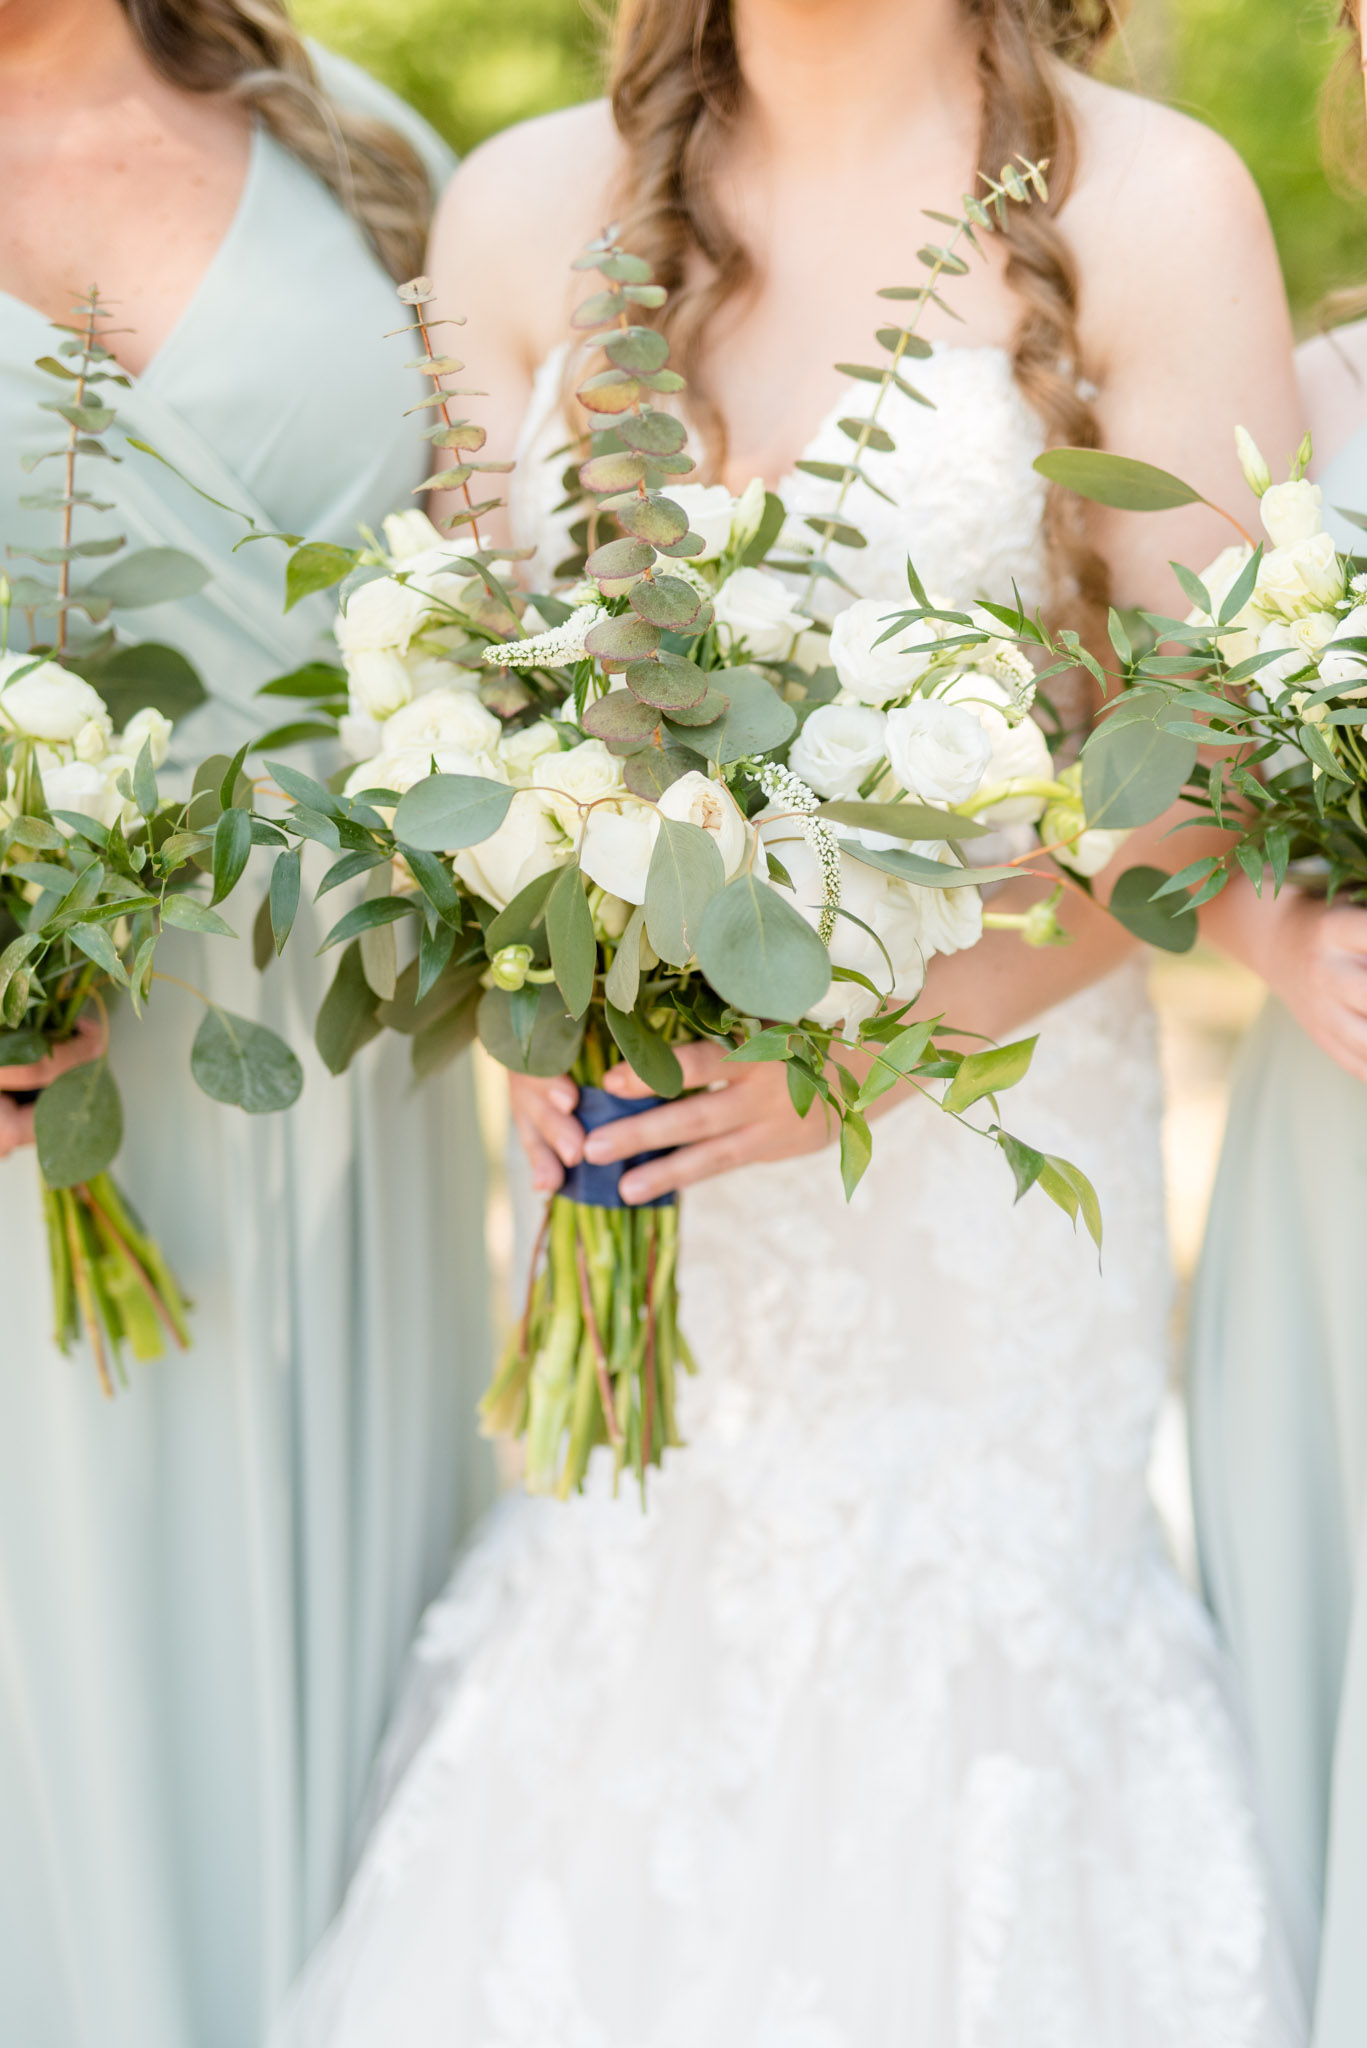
(1022, 785)
(551, 1386)
(110, 1281)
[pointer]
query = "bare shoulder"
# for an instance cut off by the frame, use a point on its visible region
(1332, 373)
(521, 207)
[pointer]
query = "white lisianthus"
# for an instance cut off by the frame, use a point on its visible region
(1084, 848)
(1302, 578)
(710, 510)
(611, 916)
(1095, 847)
(380, 682)
(443, 718)
(1297, 645)
(360, 735)
(1240, 638)
(1340, 668)
(49, 703)
(1252, 462)
(951, 919)
(382, 616)
(618, 840)
(409, 533)
(1291, 513)
(403, 767)
(83, 786)
(433, 672)
(91, 742)
(148, 727)
(938, 752)
(876, 899)
(756, 606)
(573, 780)
(526, 844)
(520, 751)
(748, 513)
(696, 800)
(1019, 752)
(837, 747)
(874, 669)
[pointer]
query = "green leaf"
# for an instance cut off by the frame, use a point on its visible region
(895, 1061)
(346, 1017)
(645, 1052)
(924, 873)
(235, 1060)
(1241, 590)
(314, 679)
(132, 679)
(78, 1125)
(1251, 860)
(1115, 480)
(669, 681)
(97, 945)
(1170, 923)
(150, 576)
(759, 954)
(658, 520)
(447, 812)
(667, 601)
(620, 717)
(284, 896)
(13, 960)
(1066, 1185)
(554, 1040)
(903, 820)
(191, 915)
(756, 722)
(416, 1003)
(569, 932)
(623, 639)
(523, 922)
(769, 528)
(685, 873)
(369, 917)
(650, 773)
(232, 847)
(438, 1044)
(22, 1048)
(856, 1150)
(1132, 770)
(617, 560)
(145, 781)
(302, 788)
(295, 732)
(318, 565)
(983, 1073)
(1025, 1162)
(623, 982)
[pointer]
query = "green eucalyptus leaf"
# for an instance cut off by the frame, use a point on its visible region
(284, 896)
(669, 682)
(903, 820)
(642, 349)
(437, 1044)
(1170, 923)
(346, 1017)
(650, 773)
(232, 847)
(767, 532)
(24, 1048)
(666, 601)
(314, 679)
(1115, 480)
(620, 716)
(132, 679)
(150, 576)
(623, 983)
(651, 433)
(238, 1061)
(759, 954)
(658, 520)
(553, 1043)
(618, 559)
(923, 873)
(622, 639)
(569, 933)
(447, 812)
(1132, 770)
(756, 722)
(368, 917)
(685, 874)
(523, 922)
(78, 1125)
(645, 1052)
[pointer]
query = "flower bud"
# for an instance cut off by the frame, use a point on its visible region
(89, 743)
(1041, 926)
(1252, 462)
(508, 968)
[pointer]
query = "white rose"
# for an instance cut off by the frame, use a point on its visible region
(148, 727)
(756, 606)
(381, 615)
(710, 510)
(874, 669)
(1340, 668)
(618, 840)
(49, 703)
(525, 845)
(1020, 753)
(837, 747)
(576, 779)
(938, 752)
(360, 735)
(696, 800)
(1297, 645)
(450, 718)
(433, 672)
(520, 751)
(1303, 578)
(405, 766)
(81, 786)
(409, 533)
(1291, 513)
(379, 682)
(870, 895)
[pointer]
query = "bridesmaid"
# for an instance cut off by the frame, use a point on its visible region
(206, 1588)
(1278, 1359)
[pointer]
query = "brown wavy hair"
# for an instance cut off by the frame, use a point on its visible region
(251, 51)
(676, 89)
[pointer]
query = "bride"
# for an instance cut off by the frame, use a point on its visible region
(888, 1723)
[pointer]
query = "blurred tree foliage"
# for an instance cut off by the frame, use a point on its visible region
(1253, 69)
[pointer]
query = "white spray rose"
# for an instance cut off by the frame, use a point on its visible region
(876, 899)
(526, 845)
(382, 615)
(1340, 668)
(938, 752)
(81, 786)
(49, 703)
(1296, 645)
(1019, 752)
(756, 606)
(837, 747)
(1291, 513)
(379, 682)
(520, 751)
(873, 669)
(148, 727)
(409, 533)
(443, 718)
(1303, 578)
(696, 800)
(573, 780)
(360, 735)
(618, 840)
(710, 510)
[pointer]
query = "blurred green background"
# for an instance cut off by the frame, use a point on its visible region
(1252, 68)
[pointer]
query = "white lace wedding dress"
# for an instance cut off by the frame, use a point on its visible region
(888, 1725)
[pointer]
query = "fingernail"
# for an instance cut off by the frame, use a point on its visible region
(595, 1149)
(564, 1098)
(633, 1190)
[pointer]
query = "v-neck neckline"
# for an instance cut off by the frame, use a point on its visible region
(222, 255)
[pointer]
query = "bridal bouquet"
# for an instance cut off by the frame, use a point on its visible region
(95, 862)
(672, 801)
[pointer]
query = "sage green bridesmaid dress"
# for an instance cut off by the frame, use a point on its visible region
(1278, 1390)
(207, 1586)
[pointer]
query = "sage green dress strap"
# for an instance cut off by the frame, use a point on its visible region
(207, 1587)
(1278, 1372)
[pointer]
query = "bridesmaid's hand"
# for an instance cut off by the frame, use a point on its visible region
(16, 1118)
(1317, 965)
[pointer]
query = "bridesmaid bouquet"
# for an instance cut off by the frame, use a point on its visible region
(668, 803)
(95, 863)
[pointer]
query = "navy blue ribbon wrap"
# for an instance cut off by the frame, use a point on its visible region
(599, 1187)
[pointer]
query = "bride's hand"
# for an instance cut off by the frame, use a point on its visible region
(16, 1118)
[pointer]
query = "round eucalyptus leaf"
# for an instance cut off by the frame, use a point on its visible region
(78, 1125)
(620, 716)
(549, 1047)
(708, 711)
(1170, 923)
(445, 813)
(237, 1061)
(1132, 770)
(622, 639)
(149, 576)
(756, 721)
(649, 774)
(664, 600)
(611, 391)
(760, 954)
(637, 348)
(620, 558)
(658, 520)
(654, 433)
(668, 681)
(619, 470)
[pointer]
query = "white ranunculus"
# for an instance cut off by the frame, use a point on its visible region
(710, 510)
(837, 747)
(520, 751)
(938, 752)
(877, 900)
(409, 533)
(147, 727)
(575, 779)
(873, 669)
(49, 703)
(360, 735)
(1020, 752)
(443, 718)
(380, 682)
(951, 919)
(1340, 668)
(618, 840)
(1296, 644)
(756, 606)
(1299, 579)
(1291, 513)
(82, 786)
(526, 844)
(383, 615)
(696, 800)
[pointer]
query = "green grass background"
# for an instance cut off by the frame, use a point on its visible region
(1252, 68)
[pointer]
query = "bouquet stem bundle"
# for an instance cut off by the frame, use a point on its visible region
(110, 1280)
